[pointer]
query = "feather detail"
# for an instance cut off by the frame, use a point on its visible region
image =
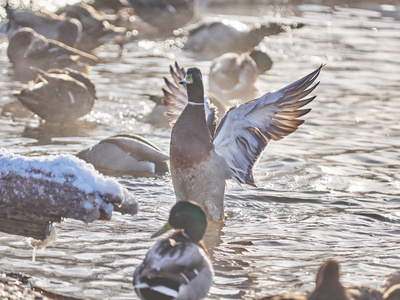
(245, 130)
(171, 267)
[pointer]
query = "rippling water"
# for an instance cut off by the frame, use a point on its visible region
(330, 190)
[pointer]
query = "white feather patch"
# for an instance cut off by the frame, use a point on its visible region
(71, 97)
(165, 290)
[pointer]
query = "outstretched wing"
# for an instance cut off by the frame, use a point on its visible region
(176, 98)
(245, 130)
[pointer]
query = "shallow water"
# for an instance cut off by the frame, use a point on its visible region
(330, 190)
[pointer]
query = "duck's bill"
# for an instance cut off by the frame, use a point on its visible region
(162, 230)
(187, 79)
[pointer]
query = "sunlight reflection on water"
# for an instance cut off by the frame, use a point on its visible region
(330, 190)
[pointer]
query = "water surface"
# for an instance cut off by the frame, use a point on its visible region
(330, 190)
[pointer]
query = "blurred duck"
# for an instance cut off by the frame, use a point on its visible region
(107, 5)
(215, 37)
(391, 290)
(59, 96)
(27, 48)
(202, 158)
(177, 267)
(328, 285)
(232, 75)
(364, 293)
(60, 28)
(166, 16)
(95, 29)
(126, 154)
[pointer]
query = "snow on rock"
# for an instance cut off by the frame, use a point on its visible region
(57, 187)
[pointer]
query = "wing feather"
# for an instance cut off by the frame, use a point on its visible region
(245, 130)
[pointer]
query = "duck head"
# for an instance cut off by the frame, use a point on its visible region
(189, 217)
(328, 273)
(194, 85)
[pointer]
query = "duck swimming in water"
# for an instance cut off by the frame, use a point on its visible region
(26, 48)
(63, 29)
(232, 76)
(202, 158)
(165, 16)
(95, 29)
(126, 154)
(59, 95)
(177, 267)
(212, 38)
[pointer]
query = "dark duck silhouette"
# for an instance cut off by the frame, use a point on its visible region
(27, 48)
(203, 157)
(165, 15)
(95, 29)
(63, 29)
(177, 267)
(59, 95)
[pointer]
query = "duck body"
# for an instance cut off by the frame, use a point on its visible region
(126, 154)
(364, 293)
(95, 29)
(201, 160)
(212, 38)
(166, 16)
(60, 28)
(232, 76)
(27, 48)
(59, 96)
(177, 267)
(194, 174)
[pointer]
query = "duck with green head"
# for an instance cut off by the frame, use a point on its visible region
(203, 156)
(177, 267)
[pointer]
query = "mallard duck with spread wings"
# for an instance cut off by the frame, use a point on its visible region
(203, 156)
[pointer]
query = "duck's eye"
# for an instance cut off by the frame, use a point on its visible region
(189, 78)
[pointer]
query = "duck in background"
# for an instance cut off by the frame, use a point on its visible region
(108, 5)
(177, 267)
(166, 16)
(127, 154)
(391, 289)
(63, 29)
(232, 76)
(96, 30)
(202, 158)
(27, 48)
(59, 95)
(328, 285)
(212, 38)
